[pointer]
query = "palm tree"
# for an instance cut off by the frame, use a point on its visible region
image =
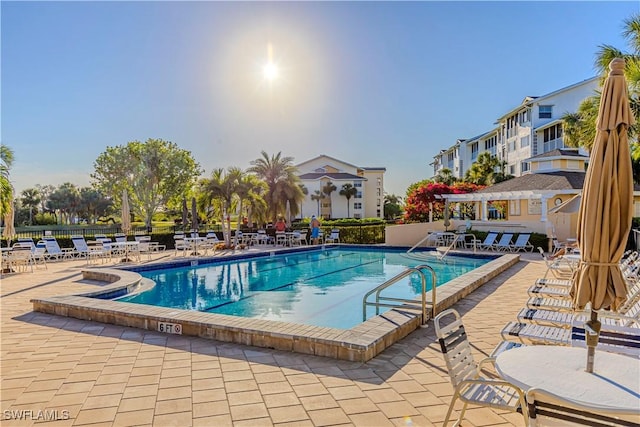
(222, 186)
(579, 128)
(248, 187)
(31, 200)
(445, 176)
(6, 189)
(348, 191)
(279, 173)
(486, 170)
(327, 189)
(317, 196)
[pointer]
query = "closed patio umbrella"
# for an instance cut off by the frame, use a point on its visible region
(606, 208)
(125, 213)
(185, 213)
(9, 227)
(194, 215)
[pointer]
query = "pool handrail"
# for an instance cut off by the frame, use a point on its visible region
(417, 269)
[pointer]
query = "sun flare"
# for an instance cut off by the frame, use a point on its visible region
(270, 71)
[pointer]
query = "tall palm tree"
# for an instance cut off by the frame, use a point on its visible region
(580, 127)
(348, 191)
(278, 172)
(31, 200)
(486, 170)
(6, 189)
(327, 189)
(317, 196)
(445, 176)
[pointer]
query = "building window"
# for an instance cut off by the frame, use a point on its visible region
(357, 205)
(524, 141)
(357, 216)
(357, 184)
(525, 166)
(378, 213)
(523, 116)
(552, 138)
(490, 145)
(512, 146)
(545, 111)
(358, 195)
(378, 202)
(474, 151)
(512, 169)
(379, 192)
(379, 182)
(514, 207)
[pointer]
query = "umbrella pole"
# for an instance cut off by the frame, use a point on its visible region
(592, 332)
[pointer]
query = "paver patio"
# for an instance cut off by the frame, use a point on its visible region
(88, 373)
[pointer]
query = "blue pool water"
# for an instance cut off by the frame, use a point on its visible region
(319, 287)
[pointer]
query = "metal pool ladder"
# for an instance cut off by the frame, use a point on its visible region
(406, 302)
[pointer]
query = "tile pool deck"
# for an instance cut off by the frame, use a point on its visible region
(113, 375)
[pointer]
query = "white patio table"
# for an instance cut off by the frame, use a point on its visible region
(614, 385)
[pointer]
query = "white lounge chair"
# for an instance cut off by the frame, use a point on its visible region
(54, 251)
(334, 237)
(82, 249)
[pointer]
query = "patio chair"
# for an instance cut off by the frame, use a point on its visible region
(522, 243)
(334, 237)
(27, 242)
(82, 249)
(179, 244)
(560, 268)
(262, 238)
(39, 253)
(54, 251)
(488, 241)
(296, 239)
(504, 244)
(469, 386)
(120, 237)
(281, 238)
(548, 409)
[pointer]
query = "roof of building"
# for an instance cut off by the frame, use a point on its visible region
(336, 176)
(371, 168)
(540, 181)
(565, 152)
(328, 157)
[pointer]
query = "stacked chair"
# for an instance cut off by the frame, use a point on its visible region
(549, 318)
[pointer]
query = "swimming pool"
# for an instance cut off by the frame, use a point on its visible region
(319, 287)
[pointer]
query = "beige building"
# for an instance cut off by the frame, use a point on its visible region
(316, 173)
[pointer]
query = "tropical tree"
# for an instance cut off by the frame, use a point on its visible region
(486, 170)
(392, 206)
(580, 127)
(279, 173)
(445, 176)
(93, 204)
(31, 199)
(45, 191)
(6, 189)
(221, 188)
(249, 188)
(327, 189)
(348, 191)
(154, 173)
(414, 186)
(66, 201)
(318, 196)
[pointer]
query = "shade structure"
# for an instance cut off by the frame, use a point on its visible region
(125, 213)
(606, 209)
(9, 227)
(194, 215)
(570, 206)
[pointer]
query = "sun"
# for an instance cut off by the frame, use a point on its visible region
(270, 71)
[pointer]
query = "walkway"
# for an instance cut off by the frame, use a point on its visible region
(103, 375)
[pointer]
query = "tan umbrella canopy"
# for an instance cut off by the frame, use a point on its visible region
(606, 208)
(125, 213)
(9, 227)
(570, 206)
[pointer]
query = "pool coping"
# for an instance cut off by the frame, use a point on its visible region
(360, 343)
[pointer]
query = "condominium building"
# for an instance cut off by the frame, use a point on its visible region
(532, 128)
(315, 174)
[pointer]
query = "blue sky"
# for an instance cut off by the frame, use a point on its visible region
(371, 83)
